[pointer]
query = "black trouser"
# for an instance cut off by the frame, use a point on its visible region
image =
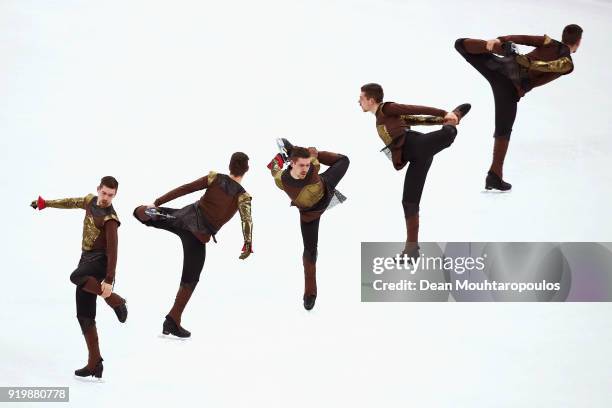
(194, 250)
(335, 172)
(90, 265)
(504, 92)
(419, 150)
(310, 237)
(310, 230)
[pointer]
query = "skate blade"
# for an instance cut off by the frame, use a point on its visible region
(494, 191)
(171, 337)
(92, 380)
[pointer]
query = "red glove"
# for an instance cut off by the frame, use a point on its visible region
(40, 203)
(247, 249)
(278, 159)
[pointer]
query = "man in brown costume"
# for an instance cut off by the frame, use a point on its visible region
(312, 193)
(404, 145)
(95, 273)
(196, 223)
(511, 75)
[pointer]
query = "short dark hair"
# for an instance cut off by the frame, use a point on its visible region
(110, 182)
(299, 153)
(571, 34)
(239, 164)
(373, 91)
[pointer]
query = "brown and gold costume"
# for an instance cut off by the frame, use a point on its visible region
(194, 224)
(222, 199)
(514, 75)
(549, 60)
(99, 235)
(312, 194)
(98, 262)
(392, 121)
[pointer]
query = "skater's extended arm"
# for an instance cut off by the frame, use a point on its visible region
(562, 65)
(244, 207)
(276, 169)
(398, 109)
(199, 184)
(530, 40)
(112, 244)
(422, 120)
(63, 203)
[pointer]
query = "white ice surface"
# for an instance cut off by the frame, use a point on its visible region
(159, 93)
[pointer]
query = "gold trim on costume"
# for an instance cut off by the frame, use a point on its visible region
(547, 39)
(90, 233)
(309, 195)
(211, 177)
(384, 134)
(110, 217)
(562, 65)
(380, 108)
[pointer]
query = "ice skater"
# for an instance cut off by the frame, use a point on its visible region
(312, 193)
(404, 145)
(95, 274)
(196, 223)
(511, 75)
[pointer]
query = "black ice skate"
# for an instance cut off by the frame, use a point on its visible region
(86, 372)
(494, 182)
(121, 312)
(410, 255)
(170, 327)
(309, 301)
(462, 110)
(284, 147)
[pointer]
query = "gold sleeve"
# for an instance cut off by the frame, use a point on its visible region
(562, 65)
(70, 203)
(277, 172)
(244, 207)
(422, 120)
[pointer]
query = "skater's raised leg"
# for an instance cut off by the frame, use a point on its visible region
(338, 165)
(86, 278)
